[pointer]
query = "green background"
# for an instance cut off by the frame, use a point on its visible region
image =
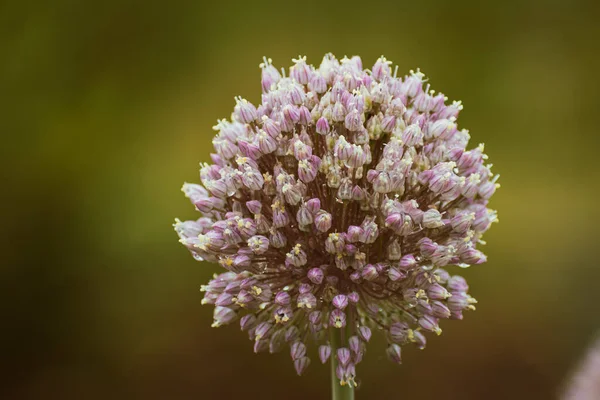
(107, 108)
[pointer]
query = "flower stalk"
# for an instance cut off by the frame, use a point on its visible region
(338, 391)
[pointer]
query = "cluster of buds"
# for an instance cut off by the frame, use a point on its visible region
(333, 207)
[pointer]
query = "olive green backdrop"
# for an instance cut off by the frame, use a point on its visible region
(106, 108)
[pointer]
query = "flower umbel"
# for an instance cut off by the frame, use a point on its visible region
(334, 205)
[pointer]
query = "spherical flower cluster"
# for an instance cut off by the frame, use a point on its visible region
(333, 207)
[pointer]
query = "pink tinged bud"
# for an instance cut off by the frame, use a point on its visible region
(212, 241)
(261, 345)
(354, 344)
(297, 350)
(382, 183)
(263, 330)
(471, 186)
(345, 189)
(419, 339)
(281, 218)
(271, 128)
(249, 150)
(254, 206)
(322, 126)
(440, 310)
(218, 188)
(487, 189)
(247, 322)
(427, 247)
(266, 144)
(408, 261)
(315, 275)
(308, 168)
(305, 288)
(469, 159)
(400, 332)
(315, 317)
(413, 84)
(317, 83)
(339, 112)
(282, 298)
(369, 272)
(381, 69)
(305, 117)
(337, 318)
(365, 333)
(277, 239)
(429, 323)
(300, 71)
(242, 261)
(442, 128)
(354, 233)
(357, 157)
(301, 150)
(457, 284)
(245, 111)
(246, 227)
(396, 275)
(258, 244)
(323, 221)
(244, 298)
(462, 221)
(482, 219)
(277, 341)
(340, 301)
(303, 216)
(423, 102)
(342, 148)
(296, 257)
(292, 334)
(358, 194)
(442, 276)
(394, 353)
(458, 302)
(194, 192)
(296, 94)
(371, 175)
(353, 120)
(437, 292)
(343, 356)
(307, 300)
(291, 114)
(252, 178)
(412, 136)
(209, 297)
(388, 123)
(472, 256)
(270, 75)
(301, 364)
(291, 193)
(313, 205)
(324, 353)
(224, 300)
(432, 219)
(223, 316)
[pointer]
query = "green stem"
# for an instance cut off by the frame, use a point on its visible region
(338, 392)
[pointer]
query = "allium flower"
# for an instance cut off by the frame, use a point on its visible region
(333, 207)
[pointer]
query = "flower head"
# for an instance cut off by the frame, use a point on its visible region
(334, 205)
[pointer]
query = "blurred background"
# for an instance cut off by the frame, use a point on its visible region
(107, 108)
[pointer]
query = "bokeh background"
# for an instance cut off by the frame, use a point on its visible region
(107, 108)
